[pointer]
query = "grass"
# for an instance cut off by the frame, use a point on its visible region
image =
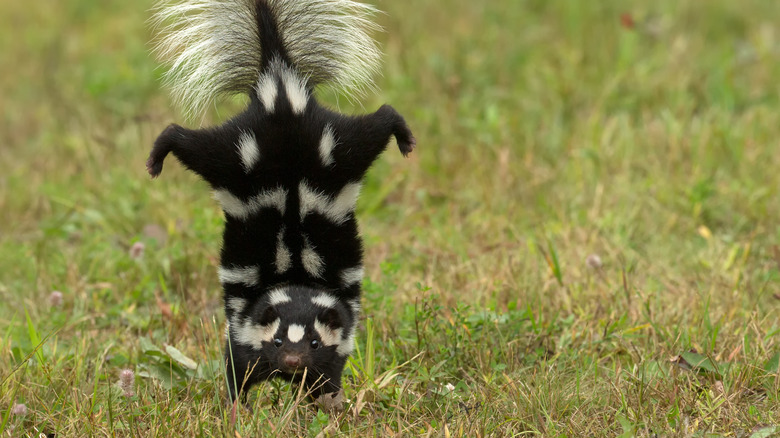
(643, 133)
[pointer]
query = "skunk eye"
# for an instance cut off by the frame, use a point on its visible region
(315, 344)
(278, 342)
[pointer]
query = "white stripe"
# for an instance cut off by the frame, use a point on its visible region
(337, 210)
(248, 150)
(235, 207)
(236, 304)
(255, 334)
(311, 201)
(351, 276)
(327, 143)
(312, 262)
(355, 305)
(346, 346)
(276, 198)
(266, 91)
(325, 300)
(247, 275)
(295, 88)
(278, 296)
(327, 335)
(232, 205)
(344, 204)
(283, 256)
(295, 333)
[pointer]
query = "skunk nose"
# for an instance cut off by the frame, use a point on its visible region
(292, 361)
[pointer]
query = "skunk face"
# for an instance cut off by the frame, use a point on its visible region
(292, 329)
(313, 329)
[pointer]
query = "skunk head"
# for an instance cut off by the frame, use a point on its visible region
(297, 327)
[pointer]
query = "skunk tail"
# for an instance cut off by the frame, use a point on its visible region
(222, 47)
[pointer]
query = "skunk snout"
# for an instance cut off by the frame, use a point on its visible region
(292, 361)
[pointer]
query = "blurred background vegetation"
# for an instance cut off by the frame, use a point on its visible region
(585, 242)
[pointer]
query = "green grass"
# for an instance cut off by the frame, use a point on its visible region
(547, 132)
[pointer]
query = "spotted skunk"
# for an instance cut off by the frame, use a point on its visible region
(287, 172)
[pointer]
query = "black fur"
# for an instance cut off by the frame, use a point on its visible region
(289, 154)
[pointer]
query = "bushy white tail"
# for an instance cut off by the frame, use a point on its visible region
(213, 47)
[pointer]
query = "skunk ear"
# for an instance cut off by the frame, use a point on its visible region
(269, 315)
(331, 318)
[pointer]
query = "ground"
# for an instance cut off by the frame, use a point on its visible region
(585, 242)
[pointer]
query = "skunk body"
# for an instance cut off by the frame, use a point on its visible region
(286, 171)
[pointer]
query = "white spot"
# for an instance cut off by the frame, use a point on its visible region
(295, 333)
(312, 262)
(266, 91)
(327, 143)
(248, 150)
(278, 296)
(337, 210)
(255, 334)
(235, 207)
(295, 88)
(351, 276)
(327, 335)
(283, 256)
(247, 275)
(236, 304)
(324, 300)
